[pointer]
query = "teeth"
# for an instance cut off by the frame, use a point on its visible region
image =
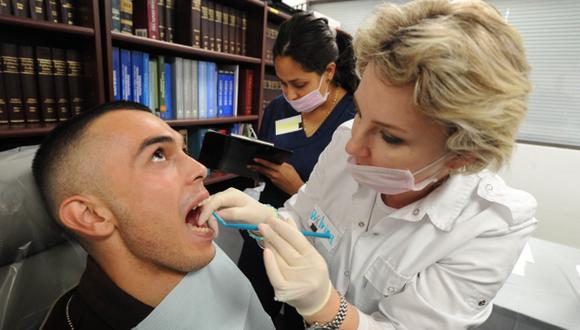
(198, 229)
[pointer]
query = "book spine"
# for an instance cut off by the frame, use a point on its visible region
(177, 87)
(225, 29)
(153, 85)
(126, 88)
(232, 31)
(204, 25)
(211, 24)
(116, 15)
(5, 7)
(169, 113)
(244, 30)
(212, 90)
(249, 91)
(220, 93)
(137, 75)
(67, 12)
(238, 32)
(145, 98)
(161, 87)
(28, 84)
(187, 72)
(145, 18)
(45, 78)
(161, 16)
(218, 27)
(20, 8)
(196, 22)
(230, 95)
(116, 74)
(60, 88)
(13, 96)
(3, 107)
(52, 11)
(169, 20)
(202, 91)
(194, 90)
(37, 10)
(75, 81)
(127, 16)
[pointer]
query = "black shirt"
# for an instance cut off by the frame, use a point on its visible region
(96, 303)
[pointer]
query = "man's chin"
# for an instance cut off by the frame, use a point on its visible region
(203, 259)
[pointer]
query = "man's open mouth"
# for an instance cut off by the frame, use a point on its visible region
(192, 219)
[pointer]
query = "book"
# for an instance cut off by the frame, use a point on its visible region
(225, 29)
(194, 90)
(45, 79)
(67, 11)
(161, 108)
(51, 10)
(177, 87)
(233, 153)
(244, 30)
(187, 91)
(145, 98)
(169, 102)
(238, 28)
(126, 7)
(204, 25)
(116, 74)
(202, 94)
(211, 71)
(146, 18)
(232, 31)
(75, 81)
(246, 91)
(28, 84)
(37, 10)
(153, 85)
(20, 8)
(169, 20)
(60, 84)
(211, 24)
(10, 70)
(218, 23)
(221, 92)
(196, 23)
(116, 15)
(161, 16)
(137, 76)
(5, 7)
(3, 109)
(126, 75)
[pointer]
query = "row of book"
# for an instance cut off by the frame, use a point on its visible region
(39, 84)
(271, 35)
(200, 23)
(272, 88)
(179, 88)
(56, 11)
(193, 137)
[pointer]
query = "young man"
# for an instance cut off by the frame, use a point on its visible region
(118, 180)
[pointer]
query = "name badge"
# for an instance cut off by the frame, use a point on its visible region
(288, 125)
(319, 222)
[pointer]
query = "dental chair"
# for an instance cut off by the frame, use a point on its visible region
(37, 262)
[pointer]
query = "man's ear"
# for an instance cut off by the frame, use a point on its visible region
(86, 217)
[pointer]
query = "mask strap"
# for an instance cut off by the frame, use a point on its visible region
(433, 163)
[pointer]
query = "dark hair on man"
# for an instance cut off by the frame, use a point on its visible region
(312, 43)
(55, 159)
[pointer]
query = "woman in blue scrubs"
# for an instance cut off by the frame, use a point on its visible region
(316, 67)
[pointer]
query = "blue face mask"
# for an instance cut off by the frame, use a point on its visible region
(310, 101)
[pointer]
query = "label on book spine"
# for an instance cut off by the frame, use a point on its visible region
(61, 92)
(45, 84)
(9, 56)
(28, 84)
(75, 82)
(196, 22)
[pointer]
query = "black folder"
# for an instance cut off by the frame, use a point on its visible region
(233, 153)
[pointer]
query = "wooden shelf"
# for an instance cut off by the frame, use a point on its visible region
(212, 121)
(277, 15)
(158, 46)
(46, 26)
(217, 176)
(25, 130)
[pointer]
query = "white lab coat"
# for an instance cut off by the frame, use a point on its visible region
(434, 264)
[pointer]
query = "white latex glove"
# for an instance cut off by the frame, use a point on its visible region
(296, 270)
(233, 205)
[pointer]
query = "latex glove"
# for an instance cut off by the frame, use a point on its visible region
(296, 270)
(284, 176)
(234, 205)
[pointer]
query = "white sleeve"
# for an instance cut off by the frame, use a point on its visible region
(377, 321)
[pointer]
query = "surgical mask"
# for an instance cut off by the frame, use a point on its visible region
(391, 181)
(309, 101)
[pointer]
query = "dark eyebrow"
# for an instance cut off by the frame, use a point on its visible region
(378, 122)
(154, 140)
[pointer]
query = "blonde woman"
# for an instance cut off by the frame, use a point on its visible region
(424, 232)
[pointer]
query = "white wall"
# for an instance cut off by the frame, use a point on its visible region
(552, 175)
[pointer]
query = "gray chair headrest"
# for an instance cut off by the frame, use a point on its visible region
(26, 228)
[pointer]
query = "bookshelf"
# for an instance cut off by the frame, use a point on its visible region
(93, 36)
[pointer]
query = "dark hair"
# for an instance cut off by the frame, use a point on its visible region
(61, 141)
(311, 42)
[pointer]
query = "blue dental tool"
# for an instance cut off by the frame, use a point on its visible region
(244, 226)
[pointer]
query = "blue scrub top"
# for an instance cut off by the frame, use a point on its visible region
(306, 149)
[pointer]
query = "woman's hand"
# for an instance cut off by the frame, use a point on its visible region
(296, 270)
(234, 205)
(284, 176)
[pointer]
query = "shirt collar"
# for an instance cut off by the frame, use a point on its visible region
(113, 305)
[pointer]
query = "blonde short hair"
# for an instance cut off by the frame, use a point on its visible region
(468, 67)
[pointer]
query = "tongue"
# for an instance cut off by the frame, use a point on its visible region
(192, 217)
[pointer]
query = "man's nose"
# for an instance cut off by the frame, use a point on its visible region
(195, 170)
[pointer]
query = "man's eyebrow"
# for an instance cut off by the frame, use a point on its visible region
(378, 122)
(154, 140)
